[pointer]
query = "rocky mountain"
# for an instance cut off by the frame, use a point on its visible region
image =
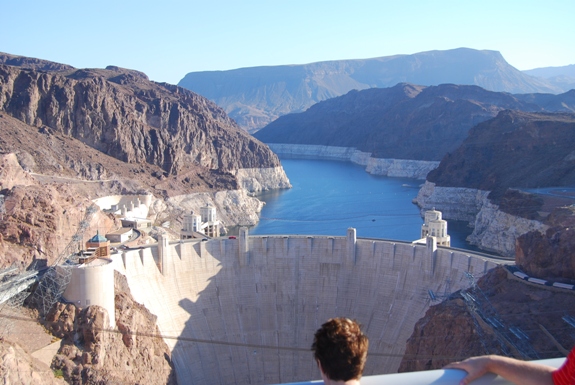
(549, 255)
(487, 181)
(550, 72)
(503, 309)
(256, 96)
(32, 63)
(561, 77)
(514, 149)
(121, 113)
(69, 136)
(404, 121)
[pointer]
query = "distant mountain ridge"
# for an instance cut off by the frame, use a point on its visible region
(258, 95)
(562, 77)
(405, 121)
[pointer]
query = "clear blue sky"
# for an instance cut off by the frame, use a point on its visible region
(168, 38)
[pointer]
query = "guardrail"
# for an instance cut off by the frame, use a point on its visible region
(435, 377)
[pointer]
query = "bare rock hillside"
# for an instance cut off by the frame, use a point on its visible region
(91, 353)
(405, 121)
(515, 149)
(256, 96)
(121, 113)
(550, 255)
(506, 316)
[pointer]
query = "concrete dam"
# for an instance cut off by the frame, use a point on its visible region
(244, 311)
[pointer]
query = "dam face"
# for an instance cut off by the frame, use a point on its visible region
(244, 311)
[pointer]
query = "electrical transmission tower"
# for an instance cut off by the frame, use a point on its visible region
(511, 338)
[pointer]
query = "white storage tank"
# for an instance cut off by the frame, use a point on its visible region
(92, 283)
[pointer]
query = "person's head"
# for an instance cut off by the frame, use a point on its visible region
(340, 349)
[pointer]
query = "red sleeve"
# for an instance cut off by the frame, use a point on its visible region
(565, 375)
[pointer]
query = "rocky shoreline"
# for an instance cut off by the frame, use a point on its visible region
(493, 229)
(398, 168)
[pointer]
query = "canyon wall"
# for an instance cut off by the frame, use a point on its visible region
(234, 207)
(493, 229)
(400, 168)
(262, 179)
(497, 231)
(121, 113)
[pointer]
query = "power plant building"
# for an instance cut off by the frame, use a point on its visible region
(436, 227)
(206, 224)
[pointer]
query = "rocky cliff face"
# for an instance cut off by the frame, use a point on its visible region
(57, 124)
(400, 168)
(497, 231)
(256, 96)
(262, 179)
(401, 122)
(91, 353)
(515, 149)
(503, 309)
(549, 255)
(495, 228)
(121, 113)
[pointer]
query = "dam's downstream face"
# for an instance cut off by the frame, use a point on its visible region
(245, 311)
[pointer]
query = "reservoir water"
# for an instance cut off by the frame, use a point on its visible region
(328, 197)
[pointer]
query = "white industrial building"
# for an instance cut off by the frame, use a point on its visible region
(205, 224)
(434, 226)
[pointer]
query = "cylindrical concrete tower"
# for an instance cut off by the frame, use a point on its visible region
(93, 284)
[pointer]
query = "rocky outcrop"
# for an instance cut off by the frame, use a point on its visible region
(18, 367)
(32, 63)
(234, 207)
(477, 183)
(513, 150)
(55, 126)
(122, 114)
(503, 309)
(497, 231)
(401, 168)
(92, 353)
(549, 255)
(256, 96)
(38, 221)
(457, 203)
(262, 179)
(493, 229)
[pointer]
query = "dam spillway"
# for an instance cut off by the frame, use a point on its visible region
(244, 311)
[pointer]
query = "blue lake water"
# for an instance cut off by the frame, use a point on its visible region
(328, 197)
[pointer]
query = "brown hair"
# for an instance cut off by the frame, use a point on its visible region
(341, 349)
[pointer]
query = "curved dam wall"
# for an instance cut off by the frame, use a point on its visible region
(245, 310)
